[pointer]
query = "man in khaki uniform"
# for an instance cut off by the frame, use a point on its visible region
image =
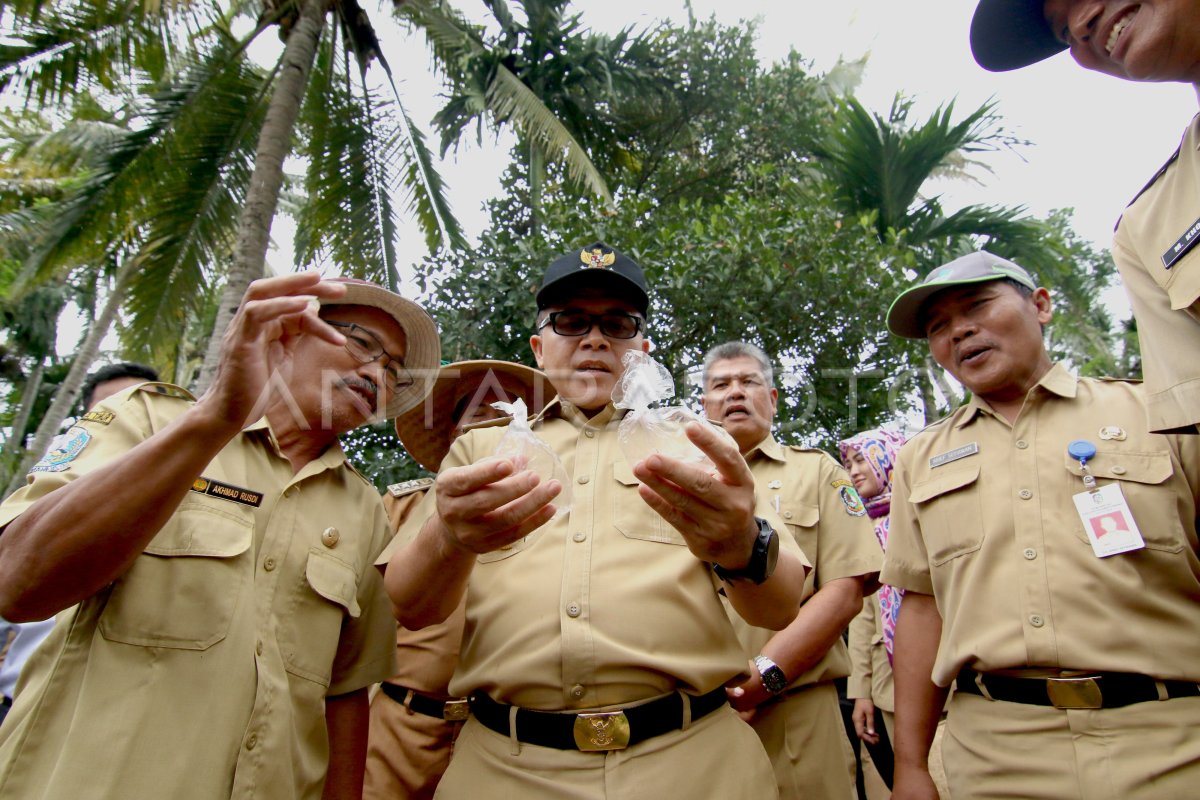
(793, 705)
(414, 718)
(1156, 245)
(1075, 651)
(596, 648)
(223, 620)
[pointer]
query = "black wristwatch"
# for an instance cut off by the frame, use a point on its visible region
(762, 558)
(773, 679)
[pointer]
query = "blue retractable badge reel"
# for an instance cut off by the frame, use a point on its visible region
(1083, 451)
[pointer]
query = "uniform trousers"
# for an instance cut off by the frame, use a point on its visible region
(716, 756)
(805, 739)
(407, 752)
(1000, 750)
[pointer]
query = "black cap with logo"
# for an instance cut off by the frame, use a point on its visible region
(599, 266)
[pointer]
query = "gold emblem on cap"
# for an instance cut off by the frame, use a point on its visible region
(1113, 433)
(330, 536)
(597, 258)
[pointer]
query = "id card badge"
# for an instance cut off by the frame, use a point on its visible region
(1108, 522)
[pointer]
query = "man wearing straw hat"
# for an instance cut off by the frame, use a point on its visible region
(414, 718)
(214, 559)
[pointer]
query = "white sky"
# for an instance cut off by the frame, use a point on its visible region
(1097, 139)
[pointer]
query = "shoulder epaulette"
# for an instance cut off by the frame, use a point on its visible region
(169, 389)
(499, 422)
(1161, 171)
(408, 487)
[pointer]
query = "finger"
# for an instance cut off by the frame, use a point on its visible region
(728, 461)
(295, 283)
(679, 520)
(678, 478)
(530, 524)
(311, 323)
(674, 494)
(460, 481)
(517, 512)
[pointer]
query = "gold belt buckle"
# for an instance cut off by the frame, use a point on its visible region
(1077, 692)
(456, 710)
(601, 730)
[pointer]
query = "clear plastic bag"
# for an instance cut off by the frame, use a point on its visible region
(645, 430)
(523, 446)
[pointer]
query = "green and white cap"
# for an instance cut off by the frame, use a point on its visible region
(904, 317)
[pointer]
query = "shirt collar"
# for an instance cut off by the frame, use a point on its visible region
(565, 409)
(769, 448)
(1058, 380)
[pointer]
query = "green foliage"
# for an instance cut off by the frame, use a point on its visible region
(376, 452)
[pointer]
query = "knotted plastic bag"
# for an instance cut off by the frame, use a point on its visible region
(645, 430)
(528, 451)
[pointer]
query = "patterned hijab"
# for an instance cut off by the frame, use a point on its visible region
(880, 448)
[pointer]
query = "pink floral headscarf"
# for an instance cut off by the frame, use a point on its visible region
(880, 449)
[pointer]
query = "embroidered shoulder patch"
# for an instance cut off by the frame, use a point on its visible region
(63, 450)
(850, 499)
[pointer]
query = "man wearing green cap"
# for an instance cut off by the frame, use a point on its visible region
(1156, 245)
(1073, 645)
(596, 648)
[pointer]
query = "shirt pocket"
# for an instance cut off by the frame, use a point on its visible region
(182, 590)
(948, 509)
(632, 517)
(326, 595)
(1141, 476)
(509, 550)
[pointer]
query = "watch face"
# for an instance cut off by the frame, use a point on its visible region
(774, 680)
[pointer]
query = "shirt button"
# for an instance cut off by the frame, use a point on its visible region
(1036, 620)
(1025, 494)
(258, 647)
(269, 564)
(589, 434)
(787, 515)
(291, 492)
(1118, 470)
(251, 741)
(573, 610)
(1022, 444)
(330, 537)
(1030, 553)
(577, 691)
(584, 478)
(579, 536)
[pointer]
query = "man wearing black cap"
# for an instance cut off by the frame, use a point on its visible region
(221, 619)
(596, 649)
(1046, 542)
(1156, 245)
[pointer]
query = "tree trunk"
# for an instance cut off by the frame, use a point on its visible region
(537, 176)
(73, 384)
(28, 399)
(274, 144)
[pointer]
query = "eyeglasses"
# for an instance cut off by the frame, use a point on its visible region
(366, 347)
(614, 325)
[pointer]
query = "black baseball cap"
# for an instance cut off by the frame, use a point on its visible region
(1010, 34)
(596, 265)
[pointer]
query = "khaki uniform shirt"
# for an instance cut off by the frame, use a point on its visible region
(825, 516)
(1156, 228)
(202, 671)
(995, 538)
(870, 671)
(425, 659)
(603, 606)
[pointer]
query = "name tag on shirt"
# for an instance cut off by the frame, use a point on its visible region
(1108, 522)
(954, 455)
(1182, 245)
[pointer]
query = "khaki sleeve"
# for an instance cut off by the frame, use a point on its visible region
(366, 651)
(848, 547)
(113, 428)
(399, 509)
(861, 632)
(906, 564)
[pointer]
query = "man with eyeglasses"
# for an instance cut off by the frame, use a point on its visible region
(596, 648)
(211, 561)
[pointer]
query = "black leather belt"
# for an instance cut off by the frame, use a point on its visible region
(1086, 690)
(449, 710)
(596, 730)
